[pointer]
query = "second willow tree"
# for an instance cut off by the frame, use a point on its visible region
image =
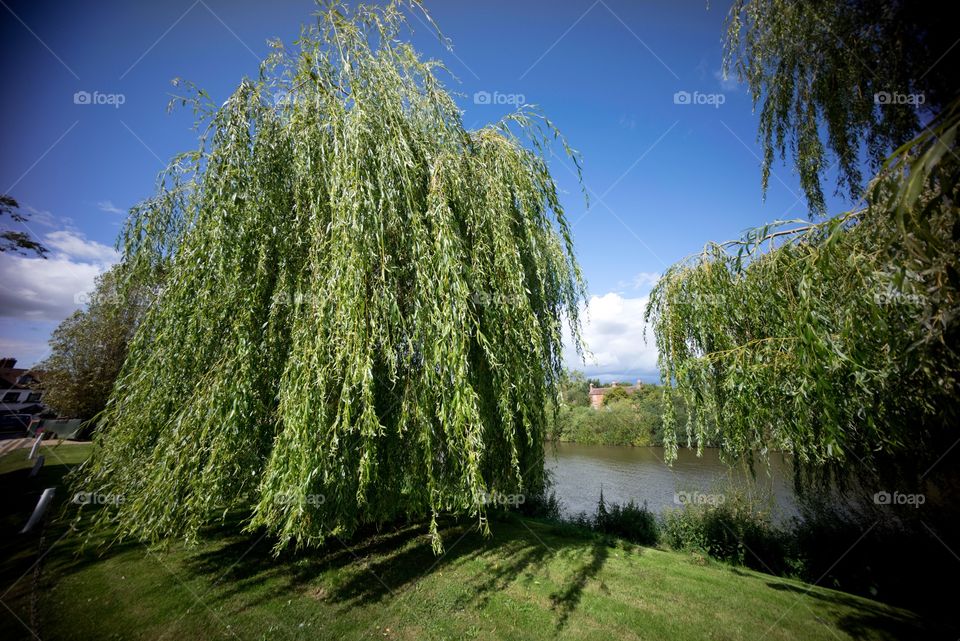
(362, 310)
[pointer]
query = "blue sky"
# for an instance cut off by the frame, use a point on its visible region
(664, 178)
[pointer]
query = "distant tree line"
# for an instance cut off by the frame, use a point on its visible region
(626, 418)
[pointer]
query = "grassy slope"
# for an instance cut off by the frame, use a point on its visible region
(530, 581)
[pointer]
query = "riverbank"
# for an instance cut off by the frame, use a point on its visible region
(621, 415)
(636, 421)
(530, 580)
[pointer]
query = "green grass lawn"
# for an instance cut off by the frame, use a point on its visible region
(531, 580)
(67, 454)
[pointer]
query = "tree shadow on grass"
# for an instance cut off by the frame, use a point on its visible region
(235, 564)
(31, 562)
(866, 619)
(565, 601)
(375, 567)
(507, 558)
(372, 566)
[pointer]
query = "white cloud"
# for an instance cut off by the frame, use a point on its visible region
(645, 279)
(109, 207)
(727, 83)
(40, 217)
(76, 246)
(614, 334)
(50, 289)
(642, 282)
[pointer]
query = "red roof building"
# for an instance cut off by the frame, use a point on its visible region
(597, 393)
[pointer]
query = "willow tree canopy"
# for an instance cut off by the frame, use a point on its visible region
(839, 78)
(837, 341)
(362, 311)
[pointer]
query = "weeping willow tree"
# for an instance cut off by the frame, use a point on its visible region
(836, 341)
(362, 311)
(833, 341)
(834, 78)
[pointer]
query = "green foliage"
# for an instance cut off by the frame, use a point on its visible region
(17, 241)
(733, 530)
(614, 424)
(854, 545)
(575, 389)
(545, 506)
(636, 419)
(834, 342)
(648, 403)
(634, 523)
(833, 76)
(362, 319)
(87, 350)
(616, 395)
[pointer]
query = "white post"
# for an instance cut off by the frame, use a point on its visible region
(37, 466)
(38, 511)
(36, 444)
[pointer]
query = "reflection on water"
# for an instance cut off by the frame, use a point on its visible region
(639, 473)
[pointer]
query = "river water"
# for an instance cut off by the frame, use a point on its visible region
(579, 472)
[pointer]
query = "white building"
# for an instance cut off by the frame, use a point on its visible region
(19, 392)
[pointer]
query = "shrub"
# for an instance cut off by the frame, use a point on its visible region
(630, 521)
(615, 424)
(542, 506)
(734, 531)
(616, 395)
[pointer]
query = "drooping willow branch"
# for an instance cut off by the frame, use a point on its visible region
(362, 311)
(836, 343)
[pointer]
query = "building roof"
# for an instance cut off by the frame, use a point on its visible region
(601, 391)
(12, 377)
